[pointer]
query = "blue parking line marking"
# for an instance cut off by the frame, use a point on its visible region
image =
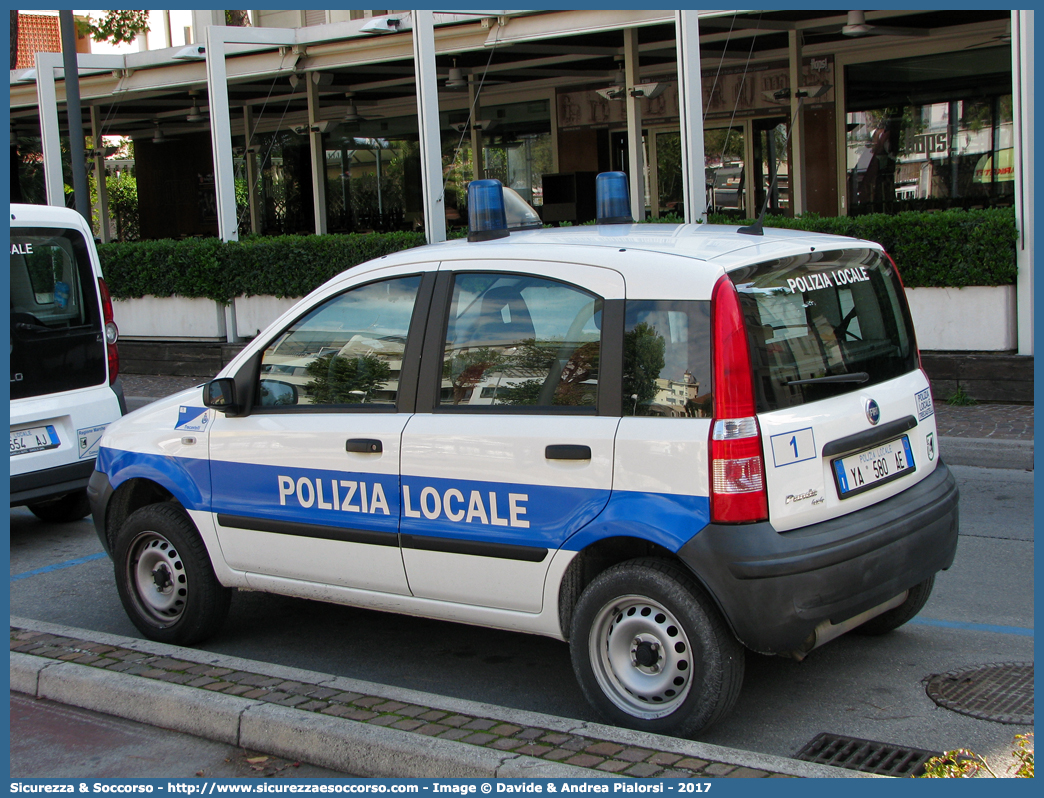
(976, 627)
(58, 566)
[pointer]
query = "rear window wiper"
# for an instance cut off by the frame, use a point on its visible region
(855, 376)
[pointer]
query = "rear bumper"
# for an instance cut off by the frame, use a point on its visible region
(776, 587)
(50, 483)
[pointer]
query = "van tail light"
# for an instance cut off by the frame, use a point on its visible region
(112, 333)
(737, 472)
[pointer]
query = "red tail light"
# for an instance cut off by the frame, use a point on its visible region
(112, 333)
(737, 472)
(902, 288)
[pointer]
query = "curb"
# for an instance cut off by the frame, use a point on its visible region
(354, 746)
(987, 452)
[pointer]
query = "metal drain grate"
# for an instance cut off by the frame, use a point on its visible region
(1000, 692)
(867, 756)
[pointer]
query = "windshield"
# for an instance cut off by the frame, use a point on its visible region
(823, 324)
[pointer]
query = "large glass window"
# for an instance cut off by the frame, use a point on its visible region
(916, 141)
(347, 351)
(666, 368)
(521, 340)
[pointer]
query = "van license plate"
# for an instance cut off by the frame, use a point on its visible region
(34, 439)
(872, 467)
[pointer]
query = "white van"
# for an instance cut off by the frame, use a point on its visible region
(662, 443)
(64, 363)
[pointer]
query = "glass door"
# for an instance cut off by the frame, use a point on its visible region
(771, 166)
(724, 151)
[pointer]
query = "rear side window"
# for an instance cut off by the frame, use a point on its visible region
(667, 366)
(824, 324)
(56, 331)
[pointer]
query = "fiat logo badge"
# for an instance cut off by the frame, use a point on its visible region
(873, 411)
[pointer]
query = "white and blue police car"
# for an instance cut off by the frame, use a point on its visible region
(661, 443)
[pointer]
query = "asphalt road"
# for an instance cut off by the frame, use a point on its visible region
(981, 612)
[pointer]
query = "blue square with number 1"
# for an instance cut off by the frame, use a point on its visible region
(792, 447)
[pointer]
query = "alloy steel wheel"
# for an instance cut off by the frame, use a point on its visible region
(158, 577)
(641, 657)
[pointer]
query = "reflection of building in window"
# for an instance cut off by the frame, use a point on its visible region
(363, 370)
(679, 398)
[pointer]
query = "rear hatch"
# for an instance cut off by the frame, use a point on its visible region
(845, 412)
(57, 338)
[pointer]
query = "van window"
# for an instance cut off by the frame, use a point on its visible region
(57, 343)
(667, 368)
(834, 314)
(521, 340)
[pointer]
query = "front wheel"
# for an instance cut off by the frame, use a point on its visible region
(165, 579)
(651, 651)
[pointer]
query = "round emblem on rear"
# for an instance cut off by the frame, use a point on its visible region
(873, 411)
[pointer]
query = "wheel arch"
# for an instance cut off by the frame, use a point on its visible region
(131, 495)
(604, 553)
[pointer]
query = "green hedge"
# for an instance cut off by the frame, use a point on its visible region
(943, 248)
(947, 248)
(282, 266)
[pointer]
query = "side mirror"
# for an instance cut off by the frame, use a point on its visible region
(220, 394)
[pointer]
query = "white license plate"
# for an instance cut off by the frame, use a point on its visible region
(872, 467)
(34, 439)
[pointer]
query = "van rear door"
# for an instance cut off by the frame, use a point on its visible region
(57, 339)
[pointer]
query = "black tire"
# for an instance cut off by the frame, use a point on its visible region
(675, 668)
(897, 616)
(165, 579)
(70, 507)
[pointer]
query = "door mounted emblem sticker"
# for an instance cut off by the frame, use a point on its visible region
(930, 443)
(873, 411)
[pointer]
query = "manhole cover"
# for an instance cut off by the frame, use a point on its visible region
(867, 756)
(1001, 692)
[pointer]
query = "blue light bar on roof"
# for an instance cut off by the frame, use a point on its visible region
(486, 217)
(612, 199)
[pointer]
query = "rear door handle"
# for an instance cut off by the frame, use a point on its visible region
(363, 446)
(567, 451)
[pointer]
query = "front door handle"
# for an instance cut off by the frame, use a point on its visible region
(363, 446)
(567, 451)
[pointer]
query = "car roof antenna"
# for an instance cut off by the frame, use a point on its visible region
(758, 228)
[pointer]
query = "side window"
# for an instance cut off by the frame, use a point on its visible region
(347, 351)
(522, 341)
(667, 366)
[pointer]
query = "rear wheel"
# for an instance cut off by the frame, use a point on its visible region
(897, 616)
(165, 579)
(651, 651)
(70, 507)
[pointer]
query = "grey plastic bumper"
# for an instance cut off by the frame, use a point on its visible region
(776, 587)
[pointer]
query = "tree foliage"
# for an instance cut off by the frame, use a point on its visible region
(644, 350)
(340, 380)
(116, 27)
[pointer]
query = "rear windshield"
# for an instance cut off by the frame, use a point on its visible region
(56, 331)
(824, 323)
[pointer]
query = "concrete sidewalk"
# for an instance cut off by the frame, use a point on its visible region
(349, 725)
